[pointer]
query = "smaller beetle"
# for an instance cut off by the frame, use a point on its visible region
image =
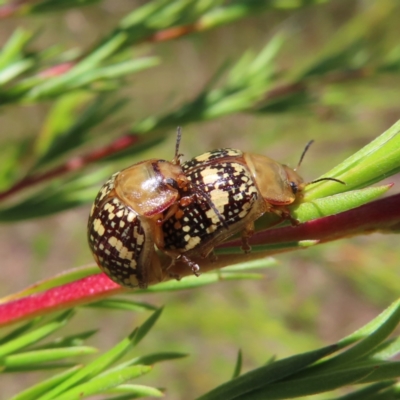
(241, 187)
(126, 218)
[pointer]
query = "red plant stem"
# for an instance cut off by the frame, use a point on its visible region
(91, 288)
(56, 70)
(381, 215)
(73, 164)
(174, 32)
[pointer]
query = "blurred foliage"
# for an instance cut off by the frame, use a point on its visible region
(318, 371)
(90, 131)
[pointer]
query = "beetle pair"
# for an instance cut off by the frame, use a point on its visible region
(184, 209)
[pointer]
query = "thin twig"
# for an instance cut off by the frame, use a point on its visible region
(74, 164)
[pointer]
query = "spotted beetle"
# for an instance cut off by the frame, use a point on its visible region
(124, 222)
(242, 187)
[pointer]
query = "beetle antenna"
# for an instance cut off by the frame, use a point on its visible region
(178, 142)
(326, 179)
(304, 153)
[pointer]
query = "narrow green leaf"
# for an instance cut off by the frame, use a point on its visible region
(383, 371)
(15, 69)
(360, 170)
(11, 154)
(345, 44)
(386, 350)
(190, 282)
(291, 102)
(54, 203)
(103, 383)
(171, 14)
(338, 203)
(19, 331)
(365, 393)
(146, 326)
(69, 127)
(232, 12)
(92, 369)
(261, 263)
(79, 75)
(115, 71)
(369, 337)
(387, 316)
(51, 6)
(76, 339)
(375, 331)
(142, 14)
(136, 391)
(237, 71)
(29, 358)
(104, 51)
(59, 119)
(57, 196)
(149, 359)
(261, 377)
(390, 62)
(41, 367)
(337, 60)
(266, 56)
(303, 387)
(229, 104)
(12, 50)
(238, 365)
(36, 335)
(34, 392)
(122, 304)
(240, 93)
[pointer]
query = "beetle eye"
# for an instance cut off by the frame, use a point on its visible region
(294, 187)
(171, 182)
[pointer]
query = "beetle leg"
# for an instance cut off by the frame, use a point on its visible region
(187, 200)
(293, 221)
(193, 266)
(170, 212)
(181, 203)
(158, 235)
(246, 235)
(285, 214)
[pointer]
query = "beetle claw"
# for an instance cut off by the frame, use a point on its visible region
(193, 265)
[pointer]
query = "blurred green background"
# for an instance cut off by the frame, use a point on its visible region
(312, 297)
